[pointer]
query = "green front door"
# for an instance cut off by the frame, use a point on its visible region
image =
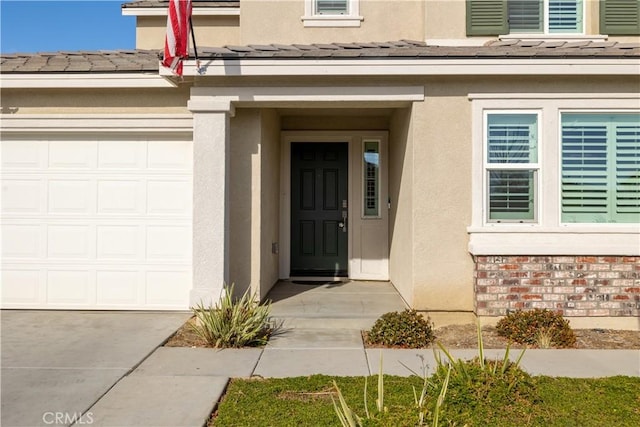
(319, 182)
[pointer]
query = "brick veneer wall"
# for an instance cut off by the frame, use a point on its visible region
(574, 285)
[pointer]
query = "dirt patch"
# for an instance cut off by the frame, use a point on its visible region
(465, 336)
(185, 337)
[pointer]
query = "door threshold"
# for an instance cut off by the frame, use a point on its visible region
(319, 279)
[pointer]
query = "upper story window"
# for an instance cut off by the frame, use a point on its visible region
(331, 7)
(551, 17)
(332, 13)
(545, 16)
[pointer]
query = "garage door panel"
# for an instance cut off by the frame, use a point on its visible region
(72, 287)
(21, 241)
(170, 155)
(69, 155)
(22, 196)
(168, 197)
(24, 155)
(124, 197)
(118, 288)
(168, 242)
(71, 196)
(21, 286)
(122, 154)
(96, 224)
(119, 242)
(69, 241)
(167, 288)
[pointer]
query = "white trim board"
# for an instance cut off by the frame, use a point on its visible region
(84, 80)
(48, 123)
(197, 11)
(410, 67)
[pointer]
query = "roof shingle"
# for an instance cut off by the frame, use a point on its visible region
(147, 60)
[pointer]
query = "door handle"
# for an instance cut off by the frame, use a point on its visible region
(343, 224)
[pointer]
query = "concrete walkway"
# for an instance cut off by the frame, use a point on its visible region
(180, 386)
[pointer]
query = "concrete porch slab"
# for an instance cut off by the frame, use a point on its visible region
(298, 338)
(184, 361)
(140, 400)
(282, 363)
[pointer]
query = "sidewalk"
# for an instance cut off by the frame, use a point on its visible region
(176, 386)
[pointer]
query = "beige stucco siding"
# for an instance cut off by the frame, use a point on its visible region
(254, 199)
(96, 101)
(272, 21)
(269, 198)
(244, 209)
(441, 193)
(401, 146)
(208, 31)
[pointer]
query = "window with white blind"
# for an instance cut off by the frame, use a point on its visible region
(545, 16)
(600, 168)
(331, 7)
(555, 174)
(511, 166)
(332, 13)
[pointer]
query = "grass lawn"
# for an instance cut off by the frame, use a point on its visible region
(306, 401)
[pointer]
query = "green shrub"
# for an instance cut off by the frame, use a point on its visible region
(538, 328)
(406, 329)
(234, 322)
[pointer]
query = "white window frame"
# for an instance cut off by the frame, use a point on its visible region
(535, 167)
(545, 30)
(351, 19)
(547, 236)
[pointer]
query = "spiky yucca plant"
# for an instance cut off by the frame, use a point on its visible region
(234, 322)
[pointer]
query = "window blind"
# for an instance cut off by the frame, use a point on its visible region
(600, 168)
(525, 16)
(565, 16)
(512, 141)
(331, 7)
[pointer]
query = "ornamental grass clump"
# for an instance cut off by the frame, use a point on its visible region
(407, 329)
(537, 328)
(234, 322)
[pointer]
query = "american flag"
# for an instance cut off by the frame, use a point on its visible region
(176, 45)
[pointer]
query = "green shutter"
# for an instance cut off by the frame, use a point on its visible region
(620, 17)
(487, 17)
(601, 168)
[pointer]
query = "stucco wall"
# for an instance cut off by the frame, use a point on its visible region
(401, 170)
(383, 20)
(96, 101)
(208, 30)
(269, 198)
(441, 203)
(244, 243)
(255, 189)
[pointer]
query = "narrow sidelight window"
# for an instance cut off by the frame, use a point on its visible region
(371, 178)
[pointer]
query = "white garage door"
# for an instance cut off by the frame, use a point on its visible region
(96, 224)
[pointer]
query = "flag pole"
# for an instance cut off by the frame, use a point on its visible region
(193, 40)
